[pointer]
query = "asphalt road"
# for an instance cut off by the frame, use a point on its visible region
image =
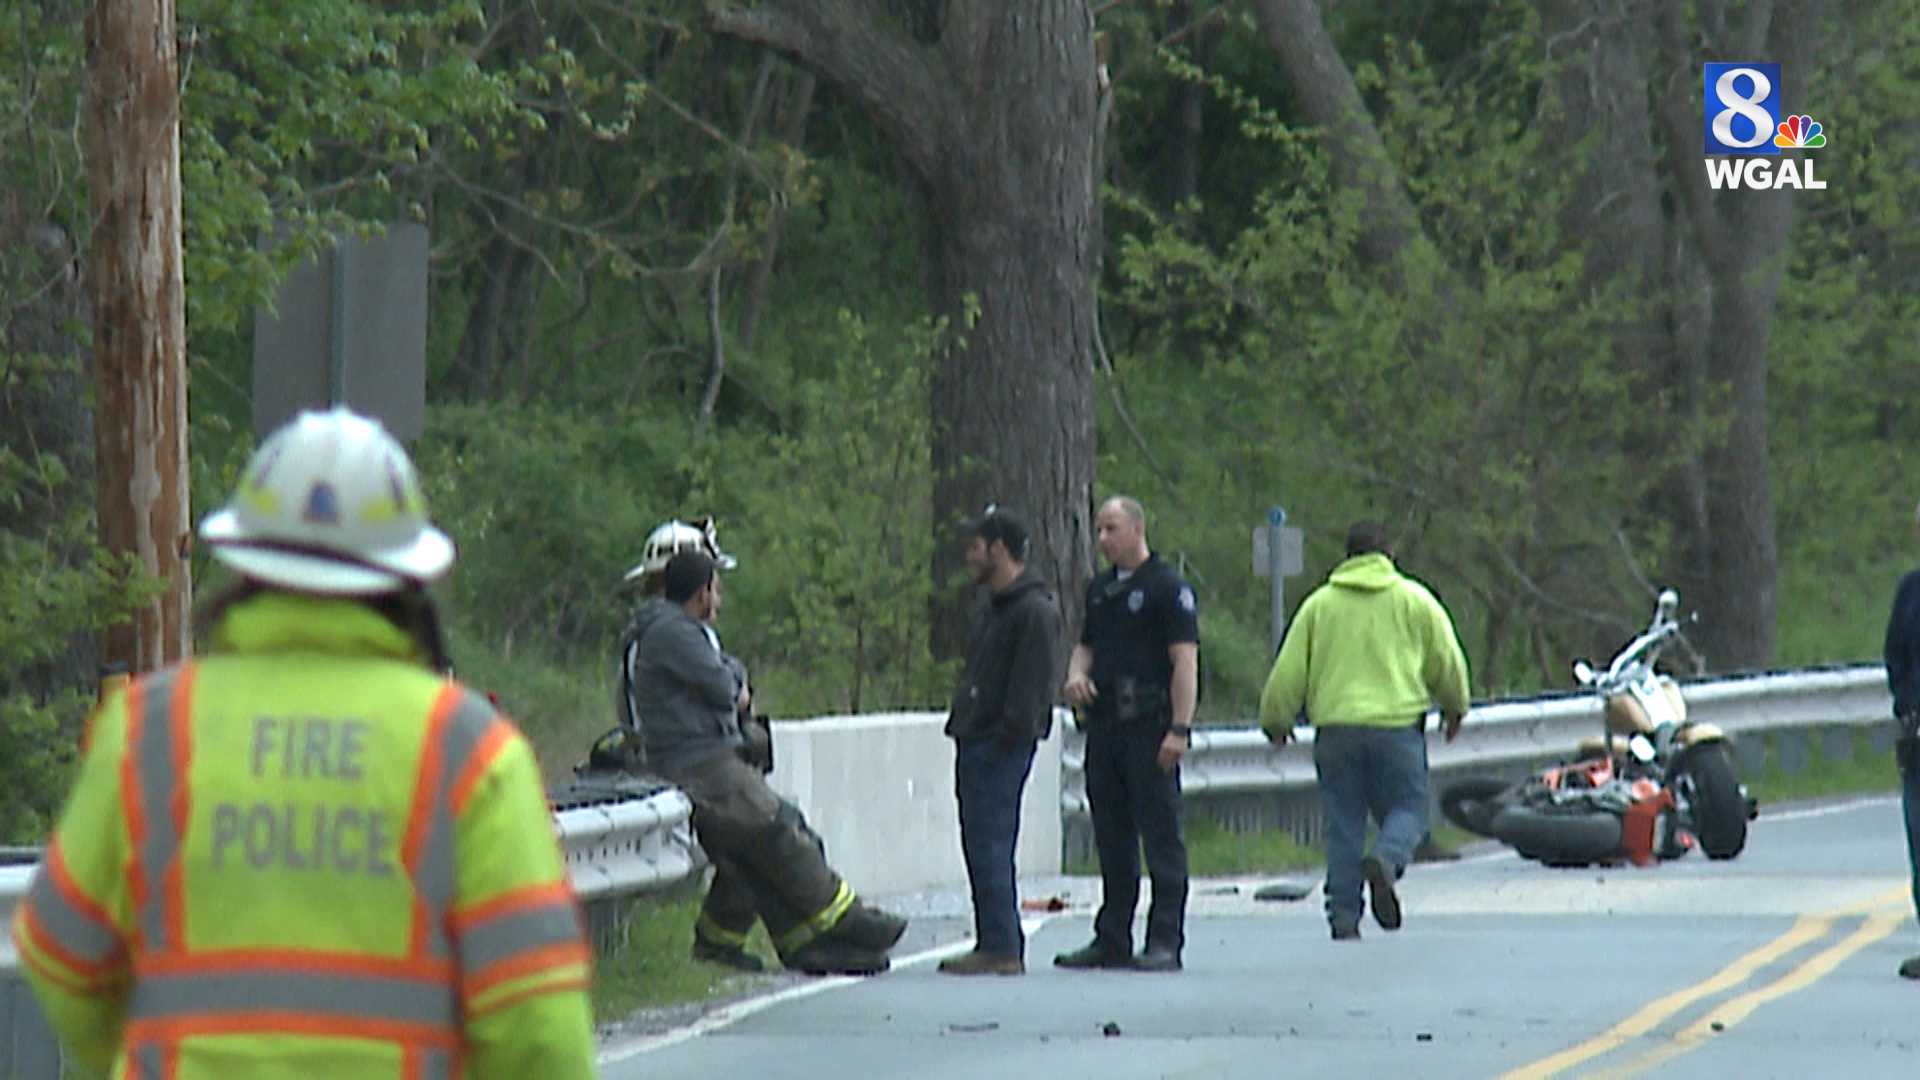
(1777, 964)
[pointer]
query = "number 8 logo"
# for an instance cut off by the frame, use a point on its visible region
(1750, 92)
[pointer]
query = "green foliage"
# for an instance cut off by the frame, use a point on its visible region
(1467, 393)
(651, 965)
(57, 589)
(839, 534)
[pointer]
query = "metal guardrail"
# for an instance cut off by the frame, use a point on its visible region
(625, 848)
(628, 843)
(1241, 779)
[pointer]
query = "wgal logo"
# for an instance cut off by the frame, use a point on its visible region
(1743, 116)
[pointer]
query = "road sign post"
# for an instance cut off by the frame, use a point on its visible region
(1277, 555)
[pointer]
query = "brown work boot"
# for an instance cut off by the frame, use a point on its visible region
(1094, 955)
(1910, 969)
(983, 963)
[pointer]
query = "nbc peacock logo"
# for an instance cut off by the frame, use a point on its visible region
(1799, 133)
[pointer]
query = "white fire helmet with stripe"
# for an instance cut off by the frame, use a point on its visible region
(672, 538)
(330, 504)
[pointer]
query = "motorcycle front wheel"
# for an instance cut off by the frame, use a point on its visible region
(1719, 809)
(1572, 837)
(1470, 804)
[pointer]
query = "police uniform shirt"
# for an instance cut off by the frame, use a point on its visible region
(1133, 619)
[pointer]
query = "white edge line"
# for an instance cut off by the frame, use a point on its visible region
(740, 1010)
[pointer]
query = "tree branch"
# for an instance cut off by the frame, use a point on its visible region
(895, 80)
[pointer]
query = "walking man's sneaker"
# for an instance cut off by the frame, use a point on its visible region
(1093, 955)
(1386, 902)
(1346, 933)
(983, 963)
(1911, 968)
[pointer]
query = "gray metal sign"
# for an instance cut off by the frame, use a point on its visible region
(1292, 551)
(351, 329)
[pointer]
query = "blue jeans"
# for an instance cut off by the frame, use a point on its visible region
(988, 779)
(1365, 771)
(1910, 802)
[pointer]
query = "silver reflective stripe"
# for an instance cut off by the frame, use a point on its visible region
(499, 939)
(153, 769)
(72, 929)
(434, 876)
(149, 1061)
(436, 1065)
(360, 997)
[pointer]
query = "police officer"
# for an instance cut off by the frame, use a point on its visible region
(309, 851)
(1903, 678)
(1135, 675)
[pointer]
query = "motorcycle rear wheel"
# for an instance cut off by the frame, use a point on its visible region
(1470, 804)
(1572, 838)
(1719, 810)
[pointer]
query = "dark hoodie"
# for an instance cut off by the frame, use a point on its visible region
(683, 689)
(1013, 666)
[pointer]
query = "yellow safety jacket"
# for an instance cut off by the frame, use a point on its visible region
(307, 855)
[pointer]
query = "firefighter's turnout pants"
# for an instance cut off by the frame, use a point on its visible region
(767, 862)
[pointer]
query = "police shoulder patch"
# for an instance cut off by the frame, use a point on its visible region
(1185, 598)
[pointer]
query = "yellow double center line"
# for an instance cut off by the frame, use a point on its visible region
(1805, 930)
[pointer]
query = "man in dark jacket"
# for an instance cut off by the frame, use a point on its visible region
(1002, 709)
(693, 700)
(1903, 678)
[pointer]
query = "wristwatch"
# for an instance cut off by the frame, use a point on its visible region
(1185, 731)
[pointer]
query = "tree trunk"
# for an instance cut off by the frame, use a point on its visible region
(792, 130)
(139, 314)
(1742, 238)
(992, 104)
(1329, 98)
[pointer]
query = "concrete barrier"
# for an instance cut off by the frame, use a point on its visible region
(879, 790)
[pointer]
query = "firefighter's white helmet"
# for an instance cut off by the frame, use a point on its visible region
(673, 537)
(329, 504)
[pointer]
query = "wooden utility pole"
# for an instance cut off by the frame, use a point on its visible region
(139, 315)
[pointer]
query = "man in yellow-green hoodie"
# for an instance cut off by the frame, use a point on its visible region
(1366, 656)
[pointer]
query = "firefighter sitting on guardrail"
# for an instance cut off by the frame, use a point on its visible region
(692, 699)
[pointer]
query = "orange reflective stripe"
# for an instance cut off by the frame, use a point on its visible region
(511, 903)
(498, 940)
(508, 1001)
(527, 962)
(92, 971)
(132, 805)
(265, 1023)
(156, 803)
(55, 975)
(67, 923)
(498, 735)
(230, 961)
(422, 817)
(61, 878)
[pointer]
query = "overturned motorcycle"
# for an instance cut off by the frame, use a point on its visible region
(1652, 786)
